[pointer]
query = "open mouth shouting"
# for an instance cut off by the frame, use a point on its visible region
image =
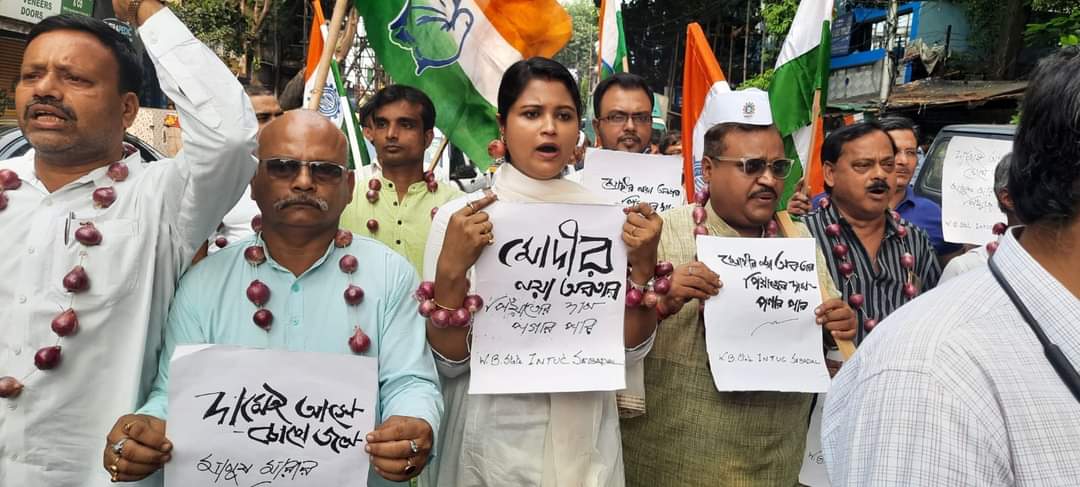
(878, 189)
(548, 151)
(47, 117)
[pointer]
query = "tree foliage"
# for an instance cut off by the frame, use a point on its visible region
(579, 55)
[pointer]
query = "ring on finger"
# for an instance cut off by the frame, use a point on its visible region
(471, 207)
(118, 447)
(413, 448)
(409, 467)
(690, 270)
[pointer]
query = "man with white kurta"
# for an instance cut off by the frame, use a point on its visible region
(96, 238)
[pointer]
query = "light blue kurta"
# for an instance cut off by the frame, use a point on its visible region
(310, 314)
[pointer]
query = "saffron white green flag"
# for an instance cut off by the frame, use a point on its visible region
(612, 38)
(456, 52)
(802, 70)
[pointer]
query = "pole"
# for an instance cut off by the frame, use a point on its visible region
(746, 42)
(887, 68)
(600, 44)
(438, 153)
(328, 52)
(764, 34)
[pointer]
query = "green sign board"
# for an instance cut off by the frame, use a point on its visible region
(34, 11)
(84, 7)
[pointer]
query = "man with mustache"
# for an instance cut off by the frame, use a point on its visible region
(96, 238)
(623, 105)
(302, 186)
(873, 253)
(688, 433)
(397, 204)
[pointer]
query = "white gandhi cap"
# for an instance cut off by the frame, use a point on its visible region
(750, 106)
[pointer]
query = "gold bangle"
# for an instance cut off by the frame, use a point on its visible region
(443, 307)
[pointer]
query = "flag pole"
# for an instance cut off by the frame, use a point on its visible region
(328, 52)
(438, 153)
(600, 44)
(815, 126)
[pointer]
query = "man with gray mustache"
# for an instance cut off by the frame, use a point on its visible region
(309, 287)
(879, 260)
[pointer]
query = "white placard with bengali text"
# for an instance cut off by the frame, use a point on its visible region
(245, 417)
(969, 207)
(554, 285)
(760, 332)
(626, 178)
(813, 472)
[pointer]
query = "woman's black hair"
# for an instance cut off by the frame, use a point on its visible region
(519, 74)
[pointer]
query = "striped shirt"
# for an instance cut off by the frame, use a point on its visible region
(882, 289)
(954, 388)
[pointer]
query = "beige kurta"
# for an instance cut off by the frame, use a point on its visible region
(691, 434)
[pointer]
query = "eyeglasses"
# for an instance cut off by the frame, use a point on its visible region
(755, 166)
(620, 118)
(321, 171)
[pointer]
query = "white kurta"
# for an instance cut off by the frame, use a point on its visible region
(524, 440)
(53, 434)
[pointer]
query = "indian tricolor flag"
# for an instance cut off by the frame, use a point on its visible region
(702, 81)
(798, 91)
(456, 52)
(612, 38)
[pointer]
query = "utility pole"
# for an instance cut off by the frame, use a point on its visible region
(764, 35)
(887, 68)
(746, 42)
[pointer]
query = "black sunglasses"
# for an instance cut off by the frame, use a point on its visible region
(321, 171)
(755, 167)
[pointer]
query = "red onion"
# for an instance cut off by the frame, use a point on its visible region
(901, 231)
(10, 387)
(1000, 228)
(88, 235)
(256, 223)
(701, 197)
(633, 297)
(221, 242)
(440, 318)
(473, 303)
(354, 295)
(47, 357)
(833, 230)
(118, 171)
(104, 197)
(840, 250)
(460, 318)
(372, 196)
(9, 179)
(700, 230)
(359, 342)
(258, 293)
(699, 215)
(255, 255)
(772, 227)
(991, 247)
(374, 184)
(76, 280)
(846, 268)
(432, 186)
(869, 324)
(348, 264)
(895, 215)
(263, 318)
(373, 225)
(426, 308)
(664, 268)
(824, 203)
(910, 290)
(4, 201)
(650, 299)
(662, 285)
(425, 291)
(907, 261)
(856, 300)
(434, 211)
(342, 239)
(496, 149)
(429, 177)
(66, 323)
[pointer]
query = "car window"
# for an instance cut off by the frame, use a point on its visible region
(935, 165)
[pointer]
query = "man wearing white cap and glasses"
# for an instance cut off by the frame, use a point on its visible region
(692, 434)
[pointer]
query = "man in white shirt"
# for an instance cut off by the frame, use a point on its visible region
(955, 388)
(95, 238)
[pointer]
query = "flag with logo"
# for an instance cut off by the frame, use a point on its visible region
(333, 104)
(612, 38)
(800, 84)
(456, 52)
(702, 82)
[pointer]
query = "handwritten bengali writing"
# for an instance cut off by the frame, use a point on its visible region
(636, 193)
(568, 251)
(969, 205)
(267, 416)
(779, 262)
(239, 473)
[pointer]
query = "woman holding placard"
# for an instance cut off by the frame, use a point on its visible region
(547, 439)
